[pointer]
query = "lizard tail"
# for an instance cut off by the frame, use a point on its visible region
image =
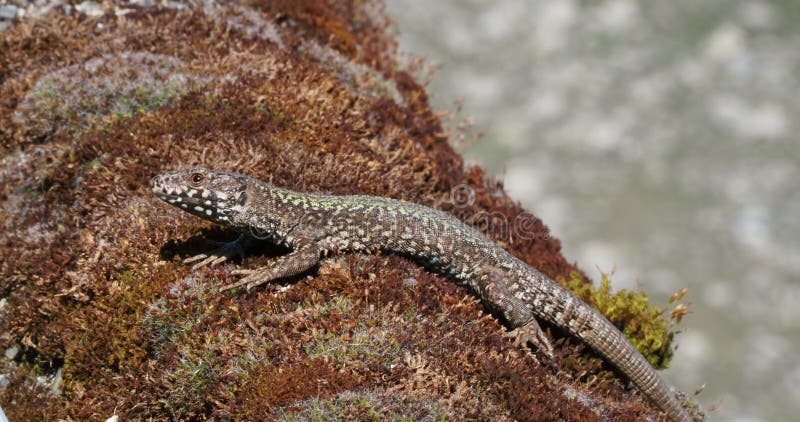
(584, 322)
(609, 341)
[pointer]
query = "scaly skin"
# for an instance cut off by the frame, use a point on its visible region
(314, 225)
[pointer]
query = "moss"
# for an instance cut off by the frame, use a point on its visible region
(362, 406)
(26, 400)
(187, 304)
(197, 370)
(359, 77)
(104, 89)
(320, 19)
(118, 345)
(368, 339)
(644, 324)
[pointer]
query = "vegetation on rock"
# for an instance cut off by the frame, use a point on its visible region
(310, 95)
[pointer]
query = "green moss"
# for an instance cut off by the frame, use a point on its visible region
(321, 309)
(116, 344)
(198, 369)
(641, 322)
(370, 340)
(187, 304)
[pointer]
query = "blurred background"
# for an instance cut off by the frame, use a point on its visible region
(657, 138)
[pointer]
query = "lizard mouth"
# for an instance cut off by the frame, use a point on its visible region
(174, 195)
(196, 201)
(165, 192)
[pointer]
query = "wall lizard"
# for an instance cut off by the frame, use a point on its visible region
(313, 225)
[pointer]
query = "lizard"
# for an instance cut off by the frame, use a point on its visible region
(313, 225)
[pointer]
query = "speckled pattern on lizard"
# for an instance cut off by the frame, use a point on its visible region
(315, 225)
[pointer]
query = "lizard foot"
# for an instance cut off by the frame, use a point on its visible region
(294, 263)
(221, 254)
(531, 333)
(252, 278)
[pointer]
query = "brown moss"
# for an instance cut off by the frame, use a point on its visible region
(89, 270)
(268, 388)
(324, 21)
(25, 400)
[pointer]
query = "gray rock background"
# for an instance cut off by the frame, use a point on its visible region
(657, 138)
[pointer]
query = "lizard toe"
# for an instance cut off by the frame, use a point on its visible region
(531, 334)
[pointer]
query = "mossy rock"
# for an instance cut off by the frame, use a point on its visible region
(310, 95)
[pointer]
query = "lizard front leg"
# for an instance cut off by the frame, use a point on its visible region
(301, 259)
(221, 254)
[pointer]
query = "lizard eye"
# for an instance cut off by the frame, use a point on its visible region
(197, 178)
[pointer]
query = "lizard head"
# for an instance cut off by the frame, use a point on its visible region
(214, 195)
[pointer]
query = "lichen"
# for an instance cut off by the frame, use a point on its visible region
(104, 89)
